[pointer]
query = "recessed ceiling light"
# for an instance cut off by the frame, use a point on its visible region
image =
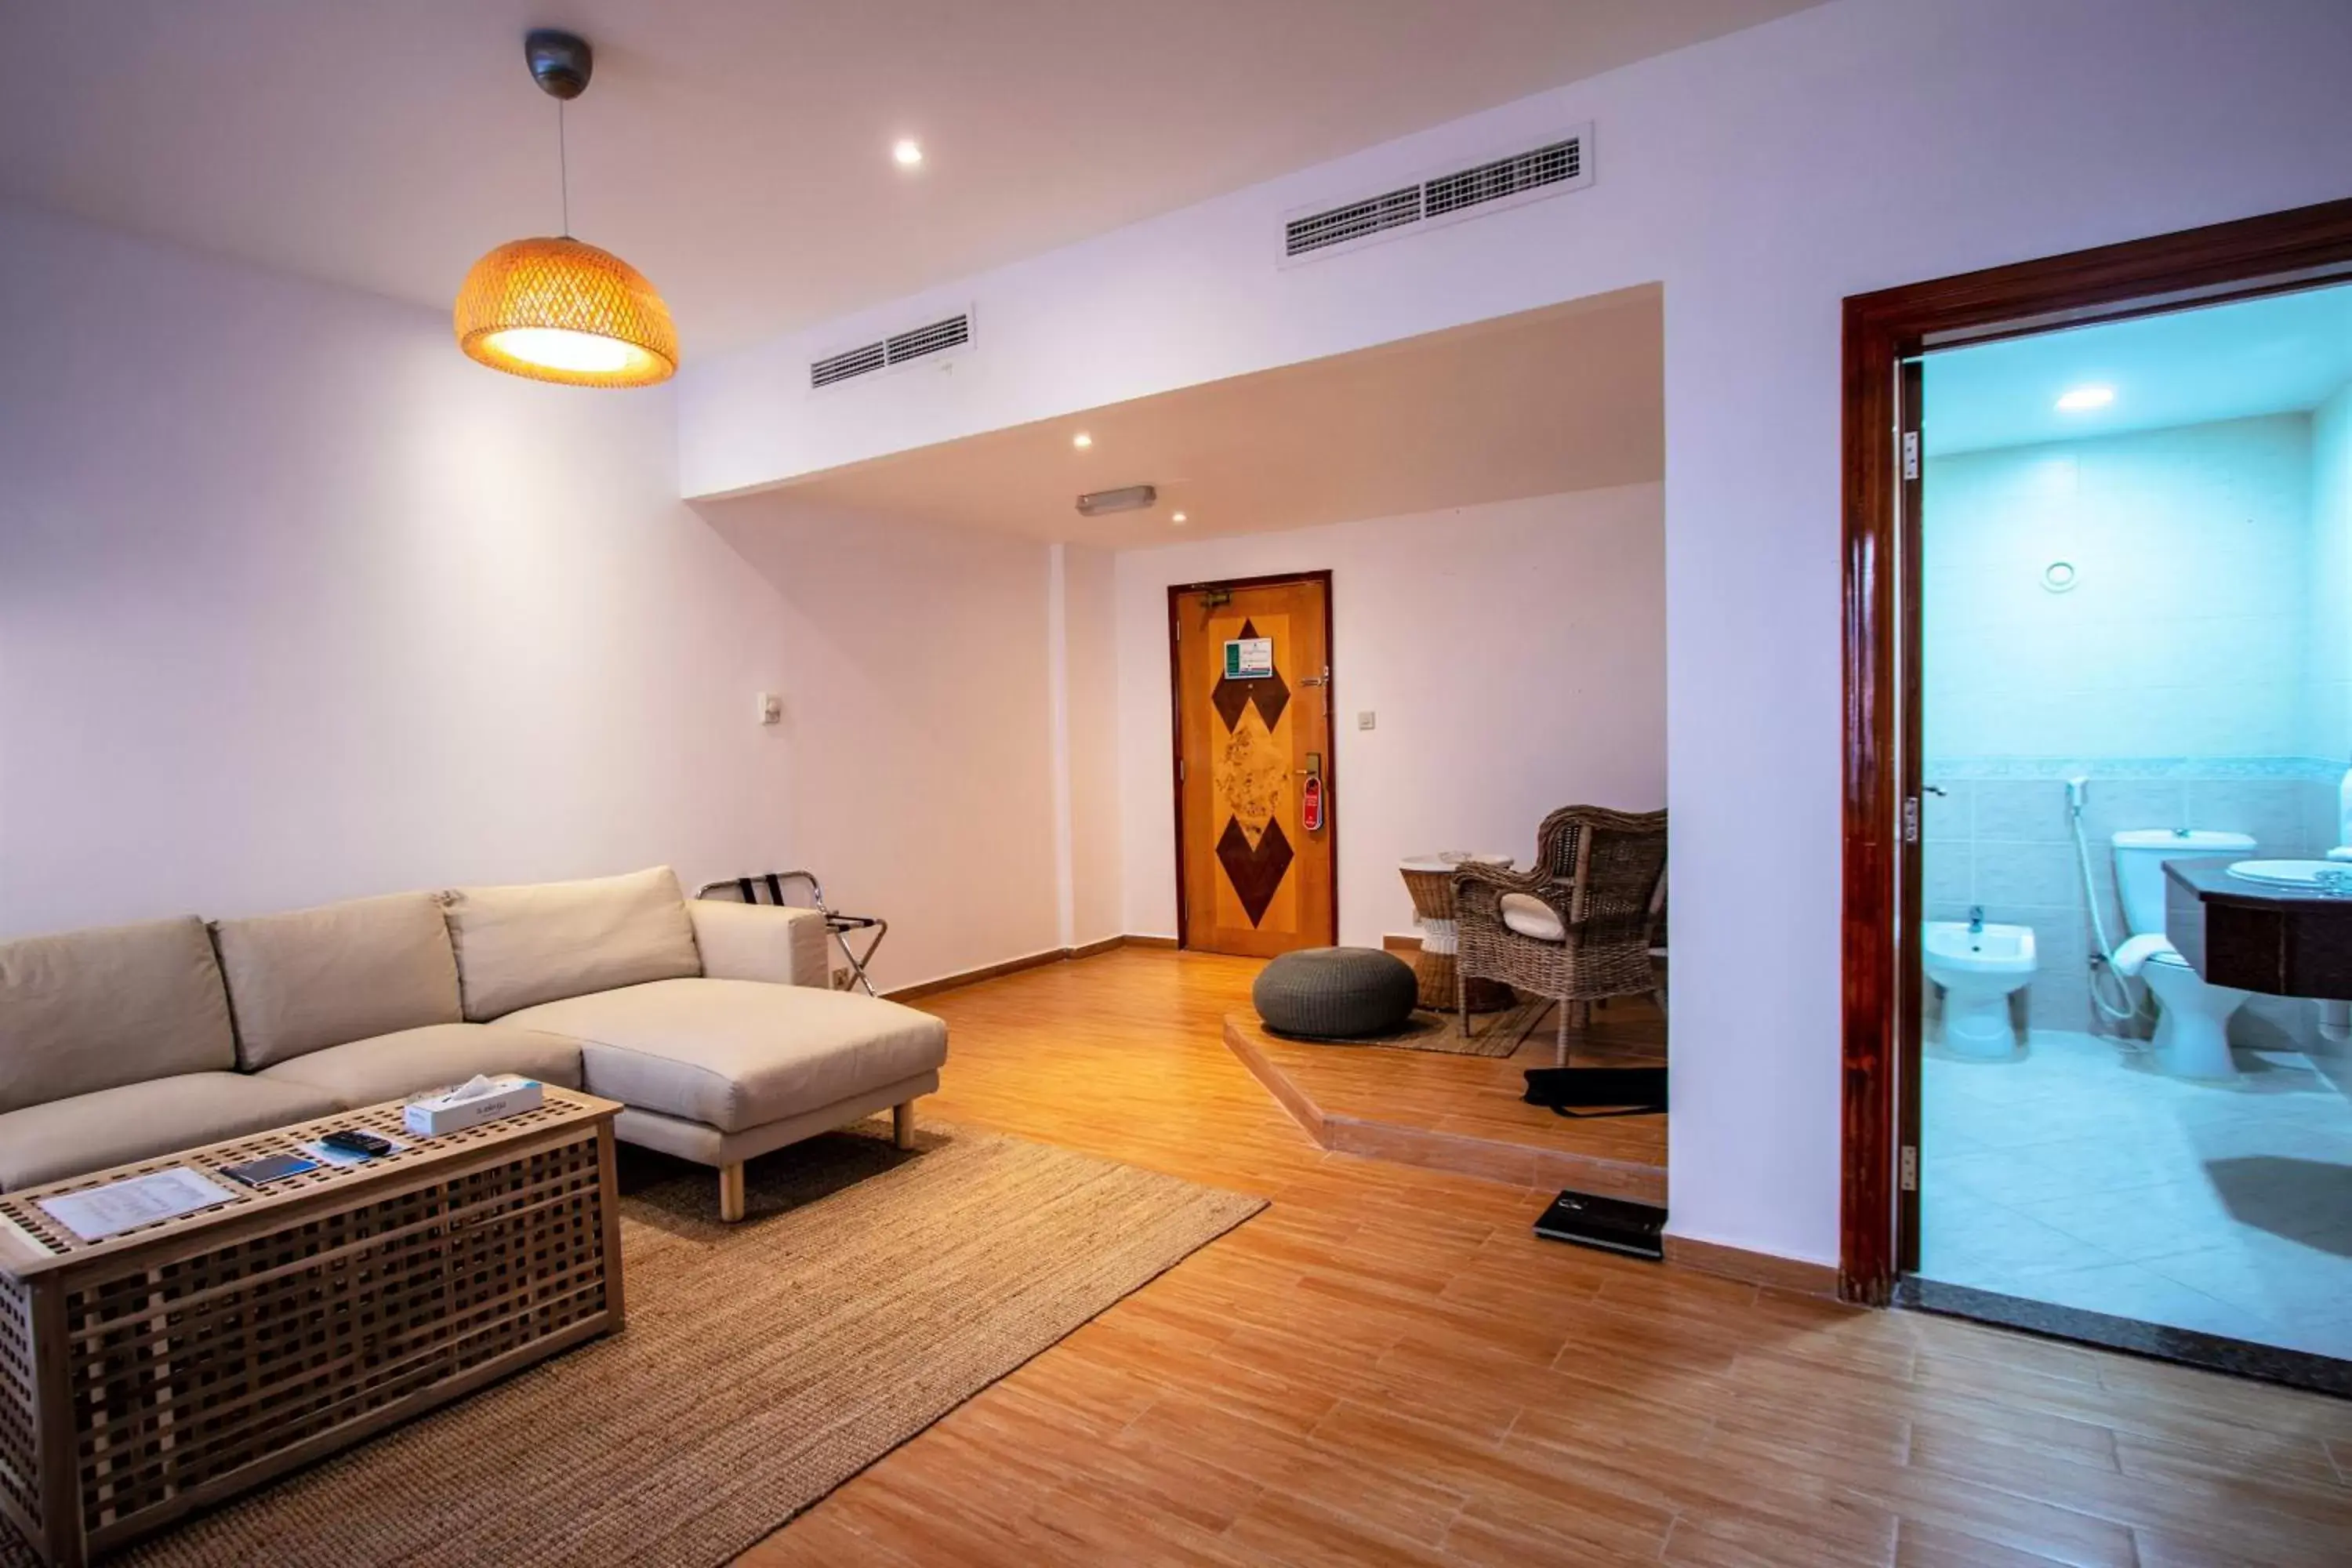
(1082, 440)
(908, 152)
(2082, 399)
(1176, 517)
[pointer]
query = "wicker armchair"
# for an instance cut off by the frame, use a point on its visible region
(1597, 874)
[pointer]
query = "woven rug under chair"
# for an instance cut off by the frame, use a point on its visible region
(1490, 1034)
(867, 1293)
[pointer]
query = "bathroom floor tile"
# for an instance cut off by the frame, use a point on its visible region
(2081, 1174)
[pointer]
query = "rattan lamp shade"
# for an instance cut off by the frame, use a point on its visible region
(557, 309)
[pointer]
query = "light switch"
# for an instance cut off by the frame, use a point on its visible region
(1366, 720)
(772, 708)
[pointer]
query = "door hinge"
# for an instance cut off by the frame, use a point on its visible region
(1910, 454)
(1908, 1173)
(1911, 819)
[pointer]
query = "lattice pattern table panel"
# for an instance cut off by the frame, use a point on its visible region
(198, 1356)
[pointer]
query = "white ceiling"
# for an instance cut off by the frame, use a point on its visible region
(2280, 354)
(1569, 397)
(738, 151)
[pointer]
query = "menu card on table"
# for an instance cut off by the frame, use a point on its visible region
(127, 1204)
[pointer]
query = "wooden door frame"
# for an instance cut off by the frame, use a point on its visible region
(1176, 591)
(2273, 254)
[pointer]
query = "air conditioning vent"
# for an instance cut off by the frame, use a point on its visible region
(1354, 221)
(841, 366)
(1562, 164)
(916, 342)
(1551, 165)
(937, 338)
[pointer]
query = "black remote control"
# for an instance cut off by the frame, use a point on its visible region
(351, 1141)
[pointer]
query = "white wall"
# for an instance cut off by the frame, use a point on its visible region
(919, 716)
(1762, 178)
(2189, 628)
(296, 603)
(1514, 656)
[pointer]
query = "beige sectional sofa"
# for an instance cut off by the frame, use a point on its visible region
(712, 1023)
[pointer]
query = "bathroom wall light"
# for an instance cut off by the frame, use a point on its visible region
(2082, 399)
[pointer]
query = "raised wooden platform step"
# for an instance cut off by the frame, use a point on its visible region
(1462, 1114)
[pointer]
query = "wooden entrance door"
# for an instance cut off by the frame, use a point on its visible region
(1253, 673)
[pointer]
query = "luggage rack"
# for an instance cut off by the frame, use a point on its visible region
(768, 887)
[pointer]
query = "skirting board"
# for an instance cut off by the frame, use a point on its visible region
(1791, 1274)
(1015, 965)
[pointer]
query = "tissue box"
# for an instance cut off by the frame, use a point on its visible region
(450, 1112)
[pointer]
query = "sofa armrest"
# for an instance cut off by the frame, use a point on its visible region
(760, 941)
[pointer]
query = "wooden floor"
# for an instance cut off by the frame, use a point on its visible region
(1484, 1097)
(1385, 1367)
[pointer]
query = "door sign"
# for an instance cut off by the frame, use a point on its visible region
(1249, 658)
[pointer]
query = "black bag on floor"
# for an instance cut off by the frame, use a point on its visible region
(1599, 1092)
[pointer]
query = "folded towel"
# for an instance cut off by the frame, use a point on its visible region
(2139, 952)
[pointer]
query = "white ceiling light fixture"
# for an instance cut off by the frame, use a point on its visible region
(907, 153)
(1082, 440)
(2082, 399)
(1176, 517)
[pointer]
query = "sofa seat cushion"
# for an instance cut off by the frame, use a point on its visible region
(411, 1061)
(737, 1054)
(143, 1121)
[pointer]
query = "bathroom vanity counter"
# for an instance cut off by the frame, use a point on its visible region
(2281, 941)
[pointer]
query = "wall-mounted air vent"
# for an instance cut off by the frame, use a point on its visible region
(903, 348)
(1512, 180)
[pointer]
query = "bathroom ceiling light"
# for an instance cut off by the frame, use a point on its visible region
(2082, 399)
(908, 152)
(552, 308)
(1082, 440)
(1176, 517)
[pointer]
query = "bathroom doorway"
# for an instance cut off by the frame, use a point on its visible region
(2114, 617)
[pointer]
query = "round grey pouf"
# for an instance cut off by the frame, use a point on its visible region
(1335, 992)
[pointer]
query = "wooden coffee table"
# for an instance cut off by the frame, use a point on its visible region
(172, 1366)
(1429, 880)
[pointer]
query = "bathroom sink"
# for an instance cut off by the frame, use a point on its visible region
(2323, 876)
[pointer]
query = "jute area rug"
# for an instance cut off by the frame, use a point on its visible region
(1491, 1034)
(867, 1294)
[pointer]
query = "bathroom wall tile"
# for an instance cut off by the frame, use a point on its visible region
(2022, 811)
(2039, 874)
(2113, 805)
(2271, 810)
(1946, 876)
(1946, 815)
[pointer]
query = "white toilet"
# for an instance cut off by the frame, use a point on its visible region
(2192, 1018)
(1978, 965)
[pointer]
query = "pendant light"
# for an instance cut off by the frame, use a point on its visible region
(555, 309)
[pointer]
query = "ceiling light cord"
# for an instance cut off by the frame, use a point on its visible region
(564, 167)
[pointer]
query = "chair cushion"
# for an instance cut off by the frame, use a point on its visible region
(736, 1054)
(312, 978)
(1531, 916)
(398, 1066)
(89, 1010)
(1335, 992)
(143, 1121)
(521, 946)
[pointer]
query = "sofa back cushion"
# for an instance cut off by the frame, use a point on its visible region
(309, 979)
(521, 946)
(88, 1010)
